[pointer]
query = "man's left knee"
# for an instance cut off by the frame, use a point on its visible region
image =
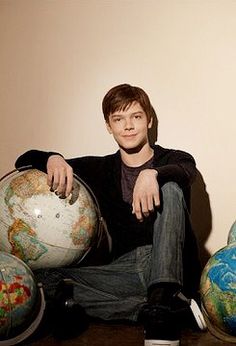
(171, 188)
(172, 193)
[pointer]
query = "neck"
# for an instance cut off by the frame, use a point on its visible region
(137, 157)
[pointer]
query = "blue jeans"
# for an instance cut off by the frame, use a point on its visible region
(118, 290)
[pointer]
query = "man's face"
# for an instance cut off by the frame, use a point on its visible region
(129, 127)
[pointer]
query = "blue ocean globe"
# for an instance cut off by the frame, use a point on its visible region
(218, 293)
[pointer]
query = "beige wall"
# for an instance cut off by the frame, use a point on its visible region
(58, 58)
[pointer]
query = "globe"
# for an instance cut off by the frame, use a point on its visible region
(232, 234)
(22, 302)
(40, 228)
(218, 293)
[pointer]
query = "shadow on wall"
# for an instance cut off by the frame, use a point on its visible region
(200, 204)
(153, 131)
(201, 216)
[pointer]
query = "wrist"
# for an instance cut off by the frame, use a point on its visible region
(150, 172)
(155, 171)
(54, 155)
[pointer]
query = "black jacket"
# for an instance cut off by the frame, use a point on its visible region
(103, 175)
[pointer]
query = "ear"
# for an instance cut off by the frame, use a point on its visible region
(108, 127)
(150, 123)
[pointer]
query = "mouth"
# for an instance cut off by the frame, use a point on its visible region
(130, 135)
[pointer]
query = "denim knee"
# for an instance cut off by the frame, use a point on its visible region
(172, 189)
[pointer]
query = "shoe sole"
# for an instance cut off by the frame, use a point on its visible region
(161, 343)
(198, 315)
(199, 318)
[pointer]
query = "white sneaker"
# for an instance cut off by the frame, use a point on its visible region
(161, 343)
(197, 314)
(160, 327)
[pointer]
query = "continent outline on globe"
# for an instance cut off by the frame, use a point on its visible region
(29, 237)
(218, 293)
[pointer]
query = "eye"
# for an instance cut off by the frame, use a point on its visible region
(116, 119)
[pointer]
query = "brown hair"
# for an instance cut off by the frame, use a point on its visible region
(122, 96)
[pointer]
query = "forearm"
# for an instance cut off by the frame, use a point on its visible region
(182, 174)
(35, 158)
(180, 167)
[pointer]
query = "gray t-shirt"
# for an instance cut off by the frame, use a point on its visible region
(128, 178)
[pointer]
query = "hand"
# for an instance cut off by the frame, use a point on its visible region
(60, 175)
(146, 193)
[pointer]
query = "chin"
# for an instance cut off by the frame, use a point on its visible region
(131, 148)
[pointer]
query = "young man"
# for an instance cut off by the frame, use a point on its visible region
(142, 192)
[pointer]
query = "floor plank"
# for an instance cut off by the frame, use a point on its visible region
(123, 335)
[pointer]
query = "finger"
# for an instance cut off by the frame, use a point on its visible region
(144, 207)
(69, 182)
(74, 192)
(55, 181)
(49, 178)
(61, 184)
(151, 204)
(156, 199)
(137, 211)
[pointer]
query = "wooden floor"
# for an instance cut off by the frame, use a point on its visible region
(124, 335)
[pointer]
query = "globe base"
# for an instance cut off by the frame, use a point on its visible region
(217, 332)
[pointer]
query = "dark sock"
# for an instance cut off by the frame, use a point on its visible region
(162, 293)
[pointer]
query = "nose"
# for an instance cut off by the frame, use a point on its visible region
(129, 124)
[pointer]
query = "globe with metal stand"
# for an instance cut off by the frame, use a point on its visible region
(22, 301)
(232, 234)
(42, 229)
(218, 293)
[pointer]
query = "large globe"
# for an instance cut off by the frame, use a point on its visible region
(218, 293)
(40, 228)
(232, 234)
(21, 301)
